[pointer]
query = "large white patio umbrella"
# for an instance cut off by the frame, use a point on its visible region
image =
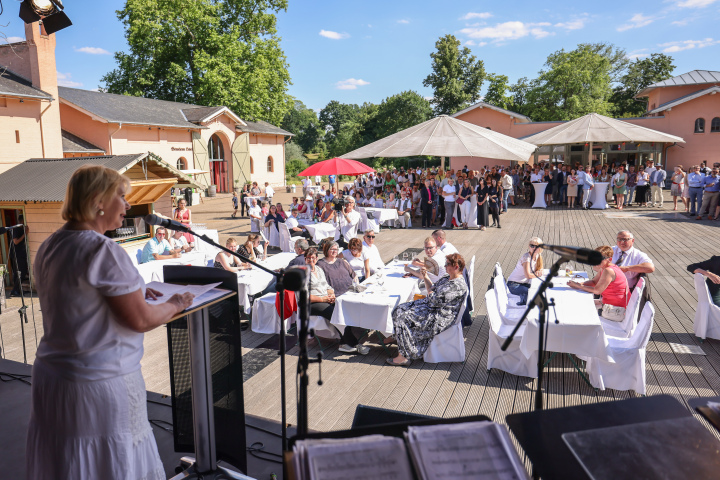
(445, 136)
(598, 128)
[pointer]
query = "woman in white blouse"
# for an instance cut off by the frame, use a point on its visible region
(88, 411)
(529, 266)
(357, 258)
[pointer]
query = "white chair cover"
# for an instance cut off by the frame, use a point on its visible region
(627, 369)
(322, 327)
(379, 203)
(265, 318)
(449, 345)
(507, 306)
(272, 235)
(287, 242)
(625, 328)
(511, 360)
(469, 274)
(707, 314)
(365, 222)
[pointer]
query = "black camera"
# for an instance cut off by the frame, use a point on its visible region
(338, 203)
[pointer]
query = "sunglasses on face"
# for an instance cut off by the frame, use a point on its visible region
(624, 239)
(533, 245)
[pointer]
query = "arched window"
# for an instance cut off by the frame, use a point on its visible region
(700, 125)
(215, 148)
(182, 163)
(715, 125)
(270, 166)
(252, 166)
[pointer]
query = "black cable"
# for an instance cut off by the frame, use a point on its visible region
(258, 448)
(263, 430)
(14, 376)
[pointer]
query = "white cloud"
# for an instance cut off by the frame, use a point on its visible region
(638, 20)
(695, 3)
(11, 39)
(65, 80)
(682, 23)
(671, 47)
(508, 31)
(351, 84)
(334, 35)
(636, 56)
(92, 50)
(471, 15)
(403, 21)
(575, 24)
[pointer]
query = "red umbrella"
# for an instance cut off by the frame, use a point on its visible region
(336, 166)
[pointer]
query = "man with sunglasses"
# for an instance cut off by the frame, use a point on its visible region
(631, 261)
(158, 248)
(417, 267)
(371, 251)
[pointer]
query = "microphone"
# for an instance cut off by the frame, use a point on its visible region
(153, 219)
(296, 278)
(576, 254)
(7, 229)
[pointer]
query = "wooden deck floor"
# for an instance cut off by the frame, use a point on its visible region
(452, 389)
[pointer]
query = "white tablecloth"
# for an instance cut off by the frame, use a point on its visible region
(383, 214)
(598, 195)
(372, 309)
(153, 271)
(254, 281)
(539, 195)
(265, 318)
(314, 190)
(248, 200)
(579, 331)
(320, 230)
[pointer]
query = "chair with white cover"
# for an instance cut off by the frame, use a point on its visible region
(273, 236)
(449, 345)
(287, 242)
(265, 318)
(511, 360)
(379, 203)
(626, 371)
(707, 314)
(322, 327)
(507, 306)
(625, 328)
(469, 274)
(367, 223)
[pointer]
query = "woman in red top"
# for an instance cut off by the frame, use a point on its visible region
(609, 282)
(182, 214)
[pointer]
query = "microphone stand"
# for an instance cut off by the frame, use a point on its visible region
(23, 309)
(540, 300)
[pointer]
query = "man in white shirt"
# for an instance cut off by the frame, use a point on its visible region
(179, 243)
(417, 267)
(306, 183)
(443, 245)
(448, 193)
(348, 222)
(269, 192)
(404, 208)
(318, 179)
(372, 252)
(295, 229)
(631, 261)
(536, 176)
(255, 215)
(588, 186)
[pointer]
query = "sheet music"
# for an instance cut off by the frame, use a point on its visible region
(203, 293)
(375, 456)
(475, 450)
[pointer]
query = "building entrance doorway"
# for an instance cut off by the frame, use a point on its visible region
(218, 164)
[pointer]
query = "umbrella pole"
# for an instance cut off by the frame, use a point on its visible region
(590, 155)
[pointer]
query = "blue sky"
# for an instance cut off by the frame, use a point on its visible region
(367, 51)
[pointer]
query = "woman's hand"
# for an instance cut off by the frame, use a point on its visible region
(539, 272)
(151, 293)
(574, 285)
(713, 277)
(182, 300)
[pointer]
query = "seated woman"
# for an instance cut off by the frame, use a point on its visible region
(341, 276)
(273, 218)
(322, 301)
(295, 204)
(529, 266)
(328, 214)
(231, 263)
(711, 270)
(609, 282)
(250, 249)
(358, 258)
(319, 207)
(305, 207)
(416, 323)
(280, 211)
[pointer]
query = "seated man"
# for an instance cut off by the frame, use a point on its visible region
(255, 215)
(179, 243)
(295, 229)
(404, 208)
(158, 248)
(631, 261)
(301, 246)
(443, 245)
(371, 250)
(417, 267)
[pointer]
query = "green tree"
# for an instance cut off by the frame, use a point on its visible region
(334, 115)
(640, 74)
(399, 112)
(205, 52)
(573, 84)
(293, 151)
(304, 123)
(498, 92)
(456, 77)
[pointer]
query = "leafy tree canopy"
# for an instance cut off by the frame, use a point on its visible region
(399, 112)
(456, 76)
(304, 123)
(498, 92)
(205, 52)
(639, 75)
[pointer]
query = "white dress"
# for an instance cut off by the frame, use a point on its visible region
(88, 411)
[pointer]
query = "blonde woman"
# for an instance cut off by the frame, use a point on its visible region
(678, 186)
(529, 266)
(228, 262)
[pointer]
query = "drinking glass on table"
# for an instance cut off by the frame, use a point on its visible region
(396, 258)
(405, 257)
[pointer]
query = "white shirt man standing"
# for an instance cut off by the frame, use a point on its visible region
(443, 245)
(255, 214)
(631, 261)
(448, 193)
(269, 193)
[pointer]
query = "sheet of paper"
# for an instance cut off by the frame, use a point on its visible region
(169, 289)
(475, 450)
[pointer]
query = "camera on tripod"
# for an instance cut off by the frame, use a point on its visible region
(338, 203)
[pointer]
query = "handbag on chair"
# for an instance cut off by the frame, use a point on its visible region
(613, 313)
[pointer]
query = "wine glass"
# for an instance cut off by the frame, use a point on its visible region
(381, 281)
(396, 258)
(405, 256)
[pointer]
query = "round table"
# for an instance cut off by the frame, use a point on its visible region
(598, 196)
(539, 195)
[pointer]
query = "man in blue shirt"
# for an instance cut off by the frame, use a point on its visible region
(657, 183)
(331, 178)
(158, 248)
(696, 183)
(710, 195)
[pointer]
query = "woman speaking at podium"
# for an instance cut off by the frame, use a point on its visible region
(88, 411)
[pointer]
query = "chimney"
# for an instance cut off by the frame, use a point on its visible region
(43, 71)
